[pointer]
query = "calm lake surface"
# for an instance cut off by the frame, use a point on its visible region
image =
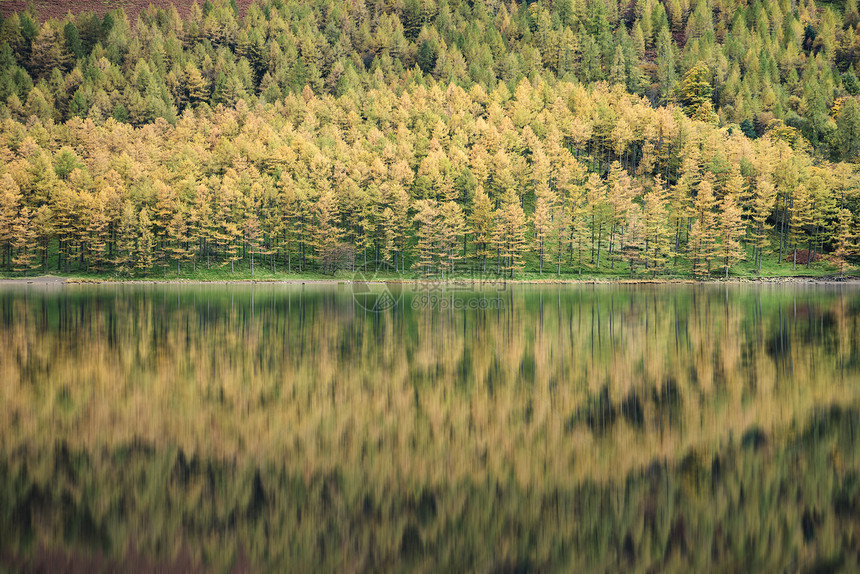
(329, 428)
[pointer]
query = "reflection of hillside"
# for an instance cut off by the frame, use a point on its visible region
(758, 505)
(559, 391)
(583, 383)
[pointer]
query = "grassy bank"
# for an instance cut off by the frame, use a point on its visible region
(771, 269)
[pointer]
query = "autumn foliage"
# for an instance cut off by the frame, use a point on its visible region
(373, 137)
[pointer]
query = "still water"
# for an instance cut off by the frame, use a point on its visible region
(299, 428)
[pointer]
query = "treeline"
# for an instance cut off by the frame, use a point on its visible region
(424, 176)
(752, 62)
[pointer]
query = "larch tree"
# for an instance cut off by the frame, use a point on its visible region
(97, 232)
(657, 229)
(562, 222)
(634, 237)
(702, 246)
(400, 223)
(253, 234)
(327, 233)
(425, 222)
(145, 242)
(542, 221)
(481, 227)
(10, 198)
(800, 217)
(580, 215)
(177, 234)
(731, 229)
(620, 199)
(389, 239)
(764, 199)
(599, 214)
(510, 234)
(844, 239)
(451, 227)
(23, 241)
(126, 239)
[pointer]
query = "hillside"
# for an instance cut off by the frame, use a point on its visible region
(432, 138)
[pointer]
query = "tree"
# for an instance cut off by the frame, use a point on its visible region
(702, 244)
(620, 200)
(426, 58)
(73, 40)
(10, 198)
(126, 239)
(253, 236)
(580, 213)
(97, 232)
(451, 227)
(196, 89)
(23, 242)
(510, 234)
(731, 229)
(800, 215)
(327, 234)
(49, 51)
(763, 203)
(177, 235)
(400, 223)
(618, 73)
(481, 227)
(543, 224)
(843, 237)
(846, 137)
(657, 227)
(389, 235)
(425, 222)
(599, 213)
(667, 76)
(145, 241)
(694, 93)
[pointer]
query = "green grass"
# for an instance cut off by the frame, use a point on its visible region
(771, 268)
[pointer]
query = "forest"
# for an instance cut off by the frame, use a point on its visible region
(647, 139)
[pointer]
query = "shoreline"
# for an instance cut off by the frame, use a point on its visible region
(51, 280)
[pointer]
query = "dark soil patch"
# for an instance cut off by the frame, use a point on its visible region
(59, 8)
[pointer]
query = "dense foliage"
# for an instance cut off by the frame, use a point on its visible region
(430, 136)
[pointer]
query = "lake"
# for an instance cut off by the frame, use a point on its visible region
(458, 428)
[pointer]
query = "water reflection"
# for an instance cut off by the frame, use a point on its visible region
(526, 429)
